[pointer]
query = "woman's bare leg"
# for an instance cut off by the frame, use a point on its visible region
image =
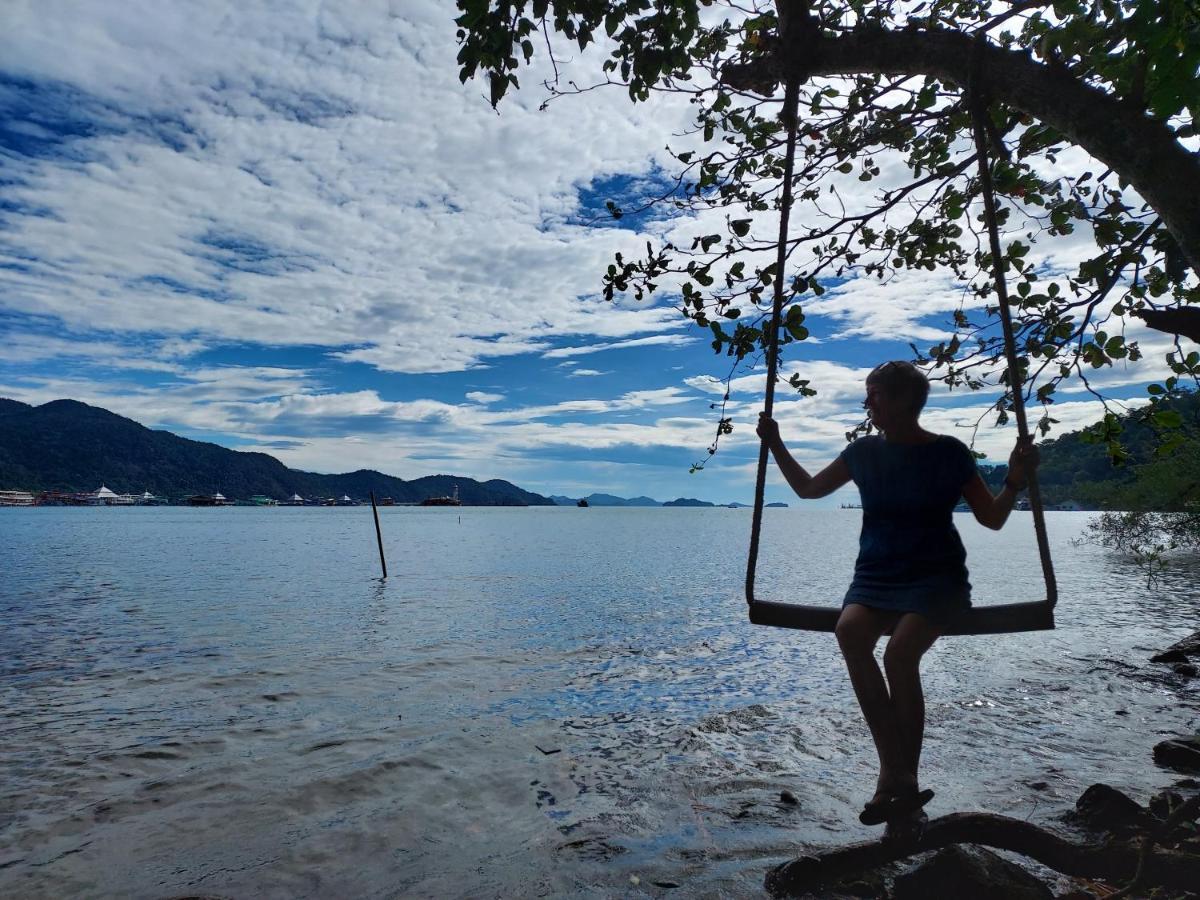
(913, 635)
(858, 631)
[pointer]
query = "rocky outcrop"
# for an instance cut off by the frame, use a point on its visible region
(1180, 651)
(969, 871)
(1181, 754)
(1108, 810)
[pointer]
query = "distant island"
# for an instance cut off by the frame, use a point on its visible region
(68, 447)
(67, 452)
(611, 500)
(603, 500)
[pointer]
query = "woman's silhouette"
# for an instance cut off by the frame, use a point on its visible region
(911, 570)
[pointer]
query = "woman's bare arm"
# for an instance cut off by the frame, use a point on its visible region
(807, 487)
(991, 510)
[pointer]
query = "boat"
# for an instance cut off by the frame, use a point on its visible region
(443, 501)
(582, 504)
(217, 499)
(16, 498)
(263, 500)
(387, 501)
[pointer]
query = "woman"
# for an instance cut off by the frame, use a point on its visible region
(911, 571)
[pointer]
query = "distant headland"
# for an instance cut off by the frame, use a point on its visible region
(67, 453)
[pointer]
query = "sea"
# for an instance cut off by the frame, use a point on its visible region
(536, 702)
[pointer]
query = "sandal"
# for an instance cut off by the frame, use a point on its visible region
(894, 806)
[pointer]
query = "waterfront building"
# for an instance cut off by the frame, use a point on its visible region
(104, 497)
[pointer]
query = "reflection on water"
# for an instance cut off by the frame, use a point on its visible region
(538, 701)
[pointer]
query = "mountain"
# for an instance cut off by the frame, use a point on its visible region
(65, 445)
(1076, 467)
(610, 500)
(688, 501)
(605, 500)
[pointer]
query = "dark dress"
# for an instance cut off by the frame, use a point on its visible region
(910, 556)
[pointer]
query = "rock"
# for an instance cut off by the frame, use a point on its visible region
(1107, 809)
(1187, 670)
(1180, 754)
(1189, 646)
(1170, 656)
(788, 797)
(965, 870)
(1164, 803)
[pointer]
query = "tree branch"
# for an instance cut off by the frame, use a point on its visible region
(1121, 136)
(1111, 861)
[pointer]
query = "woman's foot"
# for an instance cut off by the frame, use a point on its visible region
(893, 803)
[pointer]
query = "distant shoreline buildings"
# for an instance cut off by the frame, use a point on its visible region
(103, 496)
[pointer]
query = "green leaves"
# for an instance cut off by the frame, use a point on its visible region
(925, 215)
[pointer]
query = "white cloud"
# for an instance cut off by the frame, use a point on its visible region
(672, 340)
(482, 397)
(305, 175)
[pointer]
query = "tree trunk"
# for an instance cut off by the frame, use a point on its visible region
(1183, 322)
(1112, 861)
(1142, 150)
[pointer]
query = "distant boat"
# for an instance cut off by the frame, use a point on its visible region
(443, 501)
(217, 499)
(16, 498)
(387, 501)
(582, 504)
(851, 506)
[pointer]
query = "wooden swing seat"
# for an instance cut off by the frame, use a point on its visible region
(1004, 618)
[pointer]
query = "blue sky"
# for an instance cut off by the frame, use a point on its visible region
(289, 227)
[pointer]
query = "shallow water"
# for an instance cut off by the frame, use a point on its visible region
(537, 701)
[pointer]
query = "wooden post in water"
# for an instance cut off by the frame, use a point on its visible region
(378, 534)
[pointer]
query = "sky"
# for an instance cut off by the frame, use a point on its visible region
(288, 227)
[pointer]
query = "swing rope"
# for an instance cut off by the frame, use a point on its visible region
(791, 100)
(1016, 382)
(980, 620)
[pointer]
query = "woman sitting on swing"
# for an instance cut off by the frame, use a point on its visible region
(911, 571)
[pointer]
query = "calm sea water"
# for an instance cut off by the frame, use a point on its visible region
(230, 702)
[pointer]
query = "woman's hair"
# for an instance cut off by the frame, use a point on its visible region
(902, 379)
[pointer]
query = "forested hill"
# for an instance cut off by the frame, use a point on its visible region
(1074, 469)
(65, 445)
